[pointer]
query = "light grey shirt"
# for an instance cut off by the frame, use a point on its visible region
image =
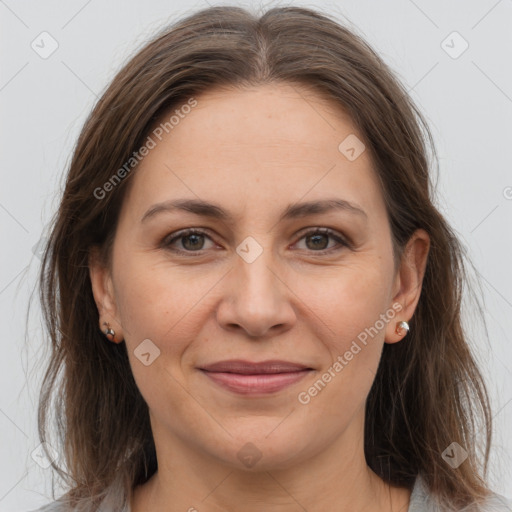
(421, 501)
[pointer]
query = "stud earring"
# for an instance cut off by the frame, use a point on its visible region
(401, 327)
(109, 332)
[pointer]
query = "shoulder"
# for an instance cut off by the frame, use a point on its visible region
(57, 506)
(423, 501)
(115, 500)
(51, 507)
(85, 506)
(497, 503)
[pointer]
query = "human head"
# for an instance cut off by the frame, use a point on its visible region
(231, 48)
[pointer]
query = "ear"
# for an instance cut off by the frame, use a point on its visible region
(408, 282)
(103, 292)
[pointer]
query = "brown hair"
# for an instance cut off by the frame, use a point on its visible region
(428, 391)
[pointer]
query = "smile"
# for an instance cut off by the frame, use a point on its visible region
(253, 384)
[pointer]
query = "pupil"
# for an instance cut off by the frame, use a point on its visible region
(316, 237)
(195, 238)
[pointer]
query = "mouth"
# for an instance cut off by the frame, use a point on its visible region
(255, 378)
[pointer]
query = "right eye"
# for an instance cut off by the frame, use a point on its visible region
(192, 241)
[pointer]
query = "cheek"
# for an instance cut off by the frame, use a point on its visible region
(146, 294)
(354, 309)
(351, 301)
(141, 308)
(161, 302)
(156, 304)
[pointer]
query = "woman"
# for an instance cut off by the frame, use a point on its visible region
(253, 301)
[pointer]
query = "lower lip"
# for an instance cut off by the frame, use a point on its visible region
(256, 384)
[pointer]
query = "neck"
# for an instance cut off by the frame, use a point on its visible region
(337, 479)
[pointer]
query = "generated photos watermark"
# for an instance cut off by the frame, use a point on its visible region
(305, 397)
(151, 143)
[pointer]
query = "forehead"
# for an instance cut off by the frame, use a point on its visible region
(267, 117)
(244, 142)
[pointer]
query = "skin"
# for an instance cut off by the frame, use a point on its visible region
(253, 152)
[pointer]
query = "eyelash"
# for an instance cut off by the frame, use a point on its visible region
(167, 241)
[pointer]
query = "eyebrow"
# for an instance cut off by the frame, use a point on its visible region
(293, 211)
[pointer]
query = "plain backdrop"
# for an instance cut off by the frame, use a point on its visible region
(462, 83)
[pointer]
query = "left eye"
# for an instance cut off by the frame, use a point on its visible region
(193, 240)
(319, 239)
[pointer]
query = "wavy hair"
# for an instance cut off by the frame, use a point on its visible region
(428, 392)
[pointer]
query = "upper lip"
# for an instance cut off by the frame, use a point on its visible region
(254, 368)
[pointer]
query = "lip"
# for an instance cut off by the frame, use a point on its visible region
(250, 378)
(254, 368)
(263, 383)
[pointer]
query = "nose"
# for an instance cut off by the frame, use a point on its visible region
(257, 299)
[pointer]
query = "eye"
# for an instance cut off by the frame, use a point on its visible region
(190, 240)
(193, 241)
(317, 240)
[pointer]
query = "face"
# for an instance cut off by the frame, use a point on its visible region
(267, 279)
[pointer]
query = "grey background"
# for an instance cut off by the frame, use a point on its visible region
(44, 101)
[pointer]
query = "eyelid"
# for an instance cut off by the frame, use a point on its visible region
(338, 237)
(176, 235)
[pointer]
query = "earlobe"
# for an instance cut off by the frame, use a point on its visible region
(409, 280)
(103, 292)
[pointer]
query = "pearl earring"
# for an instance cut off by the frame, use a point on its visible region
(401, 327)
(109, 332)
